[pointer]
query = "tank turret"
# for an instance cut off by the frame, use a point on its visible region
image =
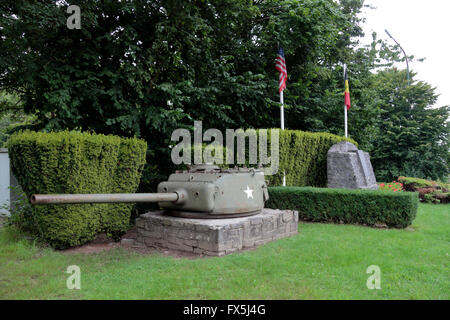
(203, 191)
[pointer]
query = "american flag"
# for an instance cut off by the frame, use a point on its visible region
(281, 66)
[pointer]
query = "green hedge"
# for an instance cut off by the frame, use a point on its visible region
(303, 157)
(76, 162)
(368, 207)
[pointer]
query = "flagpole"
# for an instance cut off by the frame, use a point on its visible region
(345, 108)
(282, 126)
(281, 66)
(345, 120)
(282, 110)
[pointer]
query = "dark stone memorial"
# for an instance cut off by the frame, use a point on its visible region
(349, 168)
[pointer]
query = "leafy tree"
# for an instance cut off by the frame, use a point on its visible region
(412, 134)
(144, 68)
(12, 116)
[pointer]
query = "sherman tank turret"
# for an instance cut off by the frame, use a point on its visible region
(203, 191)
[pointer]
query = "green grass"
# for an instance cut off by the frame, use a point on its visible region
(323, 261)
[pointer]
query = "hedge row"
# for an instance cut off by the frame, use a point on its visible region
(368, 207)
(75, 162)
(303, 158)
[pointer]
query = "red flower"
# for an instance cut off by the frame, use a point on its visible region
(381, 184)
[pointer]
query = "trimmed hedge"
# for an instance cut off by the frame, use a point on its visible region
(368, 207)
(76, 162)
(303, 157)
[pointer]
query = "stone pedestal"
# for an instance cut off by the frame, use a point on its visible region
(348, 167)
(215, 237)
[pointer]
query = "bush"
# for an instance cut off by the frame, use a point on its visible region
(368, 207)
(442, 197)
(429, 191)
(436, 197)
(430, 198)
(411, 184)
(303, 157)
(75, 162)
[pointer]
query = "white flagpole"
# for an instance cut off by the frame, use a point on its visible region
(345, 108)
(282, 120)
(282, 126)
(282, 110)
(345, 120)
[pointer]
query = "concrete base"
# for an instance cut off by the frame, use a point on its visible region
(215, 237)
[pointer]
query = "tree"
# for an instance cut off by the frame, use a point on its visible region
(145, 68)
(412, 134)
(12, 116)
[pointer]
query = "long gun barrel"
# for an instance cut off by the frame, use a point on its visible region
(106, 198)
(203, 191)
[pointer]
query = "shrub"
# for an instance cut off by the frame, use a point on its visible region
(424, 191)
(430, 198)
(76, 162)
(303, 157)
(429, 191)
(443, 197)
(411, 184)
(436, 197)
(368, 207)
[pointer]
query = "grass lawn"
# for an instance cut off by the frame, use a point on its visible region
(323, 261)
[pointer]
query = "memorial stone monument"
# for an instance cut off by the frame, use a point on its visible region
(349, 168)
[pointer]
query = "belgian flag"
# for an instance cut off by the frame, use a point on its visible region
(347, 90)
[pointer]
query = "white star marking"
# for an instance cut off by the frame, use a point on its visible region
(249, 193)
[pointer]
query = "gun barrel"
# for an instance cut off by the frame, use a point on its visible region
(104, 198)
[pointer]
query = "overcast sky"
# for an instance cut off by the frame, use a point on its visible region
(423, 29)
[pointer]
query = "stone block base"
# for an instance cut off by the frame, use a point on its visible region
(215, 237)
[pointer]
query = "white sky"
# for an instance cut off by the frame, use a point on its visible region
(422, 27)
